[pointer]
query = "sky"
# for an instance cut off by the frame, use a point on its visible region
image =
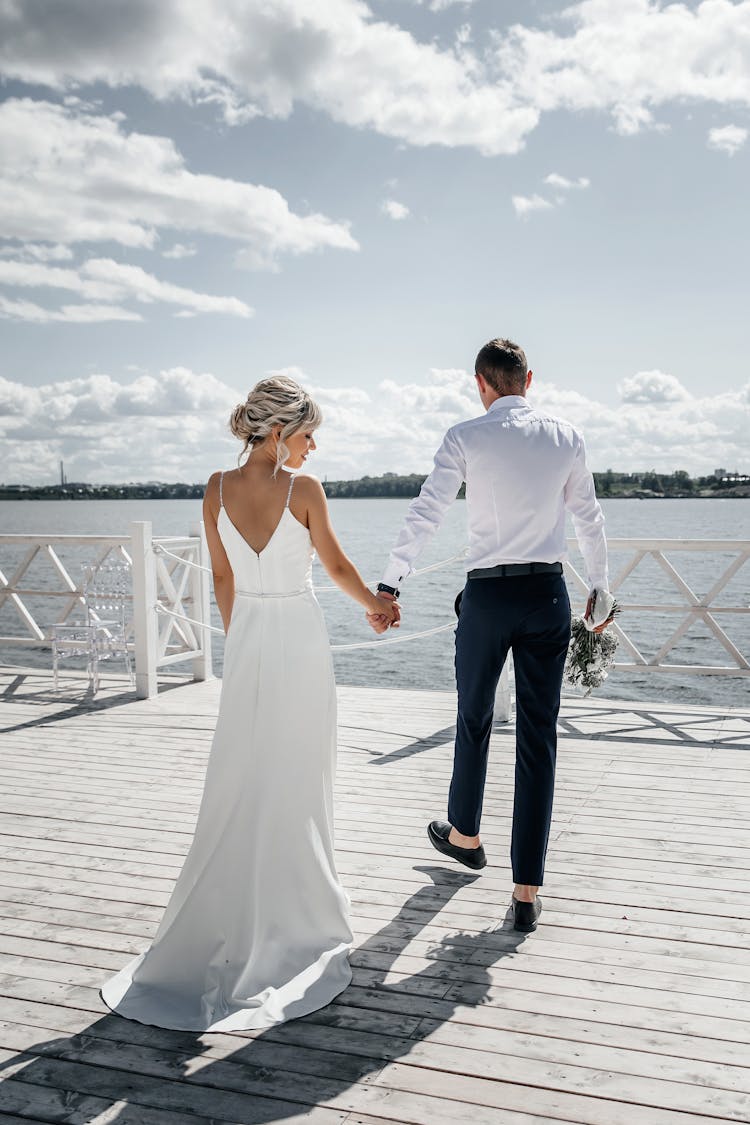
(193, 196)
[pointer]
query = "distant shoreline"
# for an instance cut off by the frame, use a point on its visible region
(610, 485)
(73, 495)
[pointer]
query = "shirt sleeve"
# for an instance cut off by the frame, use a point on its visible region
(426, 511)
(588, 518)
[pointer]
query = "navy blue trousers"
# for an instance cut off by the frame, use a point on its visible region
(530, 615)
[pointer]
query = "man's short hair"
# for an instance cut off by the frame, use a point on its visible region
(503, 365)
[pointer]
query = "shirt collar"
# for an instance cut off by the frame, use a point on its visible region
(507, 402)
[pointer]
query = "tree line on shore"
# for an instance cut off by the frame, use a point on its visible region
(394, 485)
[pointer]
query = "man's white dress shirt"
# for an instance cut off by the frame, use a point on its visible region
(523, 469)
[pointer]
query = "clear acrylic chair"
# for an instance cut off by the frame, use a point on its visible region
(103, 634)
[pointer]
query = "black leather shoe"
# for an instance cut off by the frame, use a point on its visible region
(438, 832)
(526, 914)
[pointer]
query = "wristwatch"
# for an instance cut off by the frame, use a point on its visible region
(382, 588)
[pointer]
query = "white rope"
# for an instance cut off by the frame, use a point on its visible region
(401, 639)
(446, 562)
(414, 574)
(318, 589)
(334, 648)
(185, 562)
(396, 640)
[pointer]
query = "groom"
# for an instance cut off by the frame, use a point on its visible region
(523, 469)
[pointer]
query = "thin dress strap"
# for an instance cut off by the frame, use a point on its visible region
(289, 493)
(221, 490)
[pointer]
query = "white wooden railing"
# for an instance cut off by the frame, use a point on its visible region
(44, 588)
(689, 607)
(171, 618)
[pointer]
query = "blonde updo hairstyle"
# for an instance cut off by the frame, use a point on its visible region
(277, 401)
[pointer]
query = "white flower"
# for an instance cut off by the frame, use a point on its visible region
(590, 655)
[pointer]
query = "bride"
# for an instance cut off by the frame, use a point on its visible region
(256, 930)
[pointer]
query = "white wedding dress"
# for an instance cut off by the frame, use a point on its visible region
(256, 930)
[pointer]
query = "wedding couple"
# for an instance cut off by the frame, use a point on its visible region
(256, 930)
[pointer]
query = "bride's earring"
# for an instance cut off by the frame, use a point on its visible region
(279, 454)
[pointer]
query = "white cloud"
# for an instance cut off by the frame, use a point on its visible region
(174, 425)
(554, 179)
(107, 280)
(70, 314)
(652, 386)
(87, 179)
(632, 118)
(624, 57)
(255, 57)
(34, 275)
(630, 57)
(178, 251)
(394, 210)
(525, 204)
(443, 5)
(175, 391)
(37, 252)
(727, 138)
(132, 281)
(657, 424)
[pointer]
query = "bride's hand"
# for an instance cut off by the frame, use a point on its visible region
(384, 614)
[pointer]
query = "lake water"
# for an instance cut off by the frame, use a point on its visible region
(367, 528)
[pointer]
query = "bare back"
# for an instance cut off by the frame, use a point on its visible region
(255, 501)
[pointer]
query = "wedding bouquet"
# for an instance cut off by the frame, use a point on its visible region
(590, 655)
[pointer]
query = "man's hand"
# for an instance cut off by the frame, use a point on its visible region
(587, 616)
(389, 618)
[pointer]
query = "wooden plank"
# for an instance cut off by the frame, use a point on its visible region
(418, 1094)
(165, 1056)
(567, 844)
(599, 917)
(361, 1032)
(39, 1104)
(50, 783)
(67, 1081)
(675, 895)
(440, 943)
(579, 961)
(478, 968)
(604, 901)
(628, 1006)
(401, 997)
(324, 1050)
(538, 1004)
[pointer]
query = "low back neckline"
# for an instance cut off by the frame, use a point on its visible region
(249, 546)
(258, 554)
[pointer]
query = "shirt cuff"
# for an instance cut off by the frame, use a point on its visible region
(393, 577)
(600, 580)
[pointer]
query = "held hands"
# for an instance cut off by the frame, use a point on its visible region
(385, 616)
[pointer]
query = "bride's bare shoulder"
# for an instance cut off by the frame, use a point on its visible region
(212, 485)
(308, 487)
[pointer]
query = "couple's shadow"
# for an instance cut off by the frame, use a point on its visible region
(121, 1071)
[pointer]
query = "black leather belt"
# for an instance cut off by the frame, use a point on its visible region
(509, 570)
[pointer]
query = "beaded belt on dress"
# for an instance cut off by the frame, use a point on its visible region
(263, 594)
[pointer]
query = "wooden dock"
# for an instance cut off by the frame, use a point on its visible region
(629, 1006)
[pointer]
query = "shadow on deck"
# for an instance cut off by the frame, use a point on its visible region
(629, 1004)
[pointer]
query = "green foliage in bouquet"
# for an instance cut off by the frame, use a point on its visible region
(590, 655)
